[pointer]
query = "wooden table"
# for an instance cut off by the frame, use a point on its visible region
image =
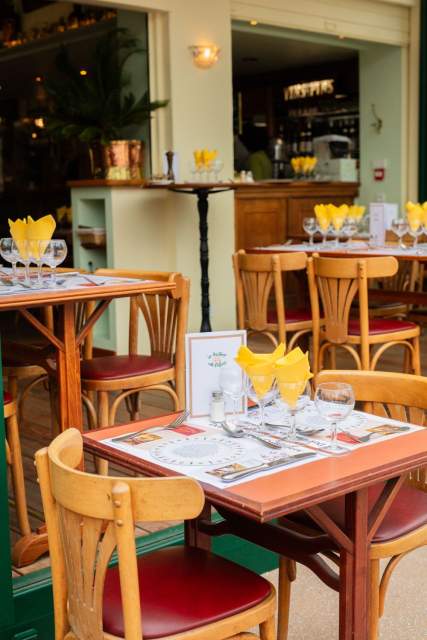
(306, 487)
(383, 295)
(66, 342)
(67, 345)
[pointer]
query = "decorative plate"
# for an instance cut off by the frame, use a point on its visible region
(198, 451)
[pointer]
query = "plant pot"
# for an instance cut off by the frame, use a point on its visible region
(118, 160)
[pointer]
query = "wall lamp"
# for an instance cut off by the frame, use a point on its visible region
(205, 56)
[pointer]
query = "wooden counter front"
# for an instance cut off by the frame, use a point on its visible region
(271, 212)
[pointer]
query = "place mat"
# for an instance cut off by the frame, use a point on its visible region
(354, 247)
(65, 281)
(208, 454)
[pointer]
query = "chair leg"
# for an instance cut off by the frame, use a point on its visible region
(266, 629)
(54, 421)
(12, 386)
(17, 473)
(416, 359)
(103, 411)
(287, 574)
(374, 599)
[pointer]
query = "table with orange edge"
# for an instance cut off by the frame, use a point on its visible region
(382, 295)
(306, 487)
(67, 344)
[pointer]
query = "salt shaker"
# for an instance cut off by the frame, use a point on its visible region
(217, 413)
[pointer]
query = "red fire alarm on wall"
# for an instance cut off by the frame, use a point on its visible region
(379, 173)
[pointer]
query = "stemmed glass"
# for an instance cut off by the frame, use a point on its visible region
(294, 397)
(334, 401)
(415, 230)
(35, 252)
(261, 389)
(349, 229)
(217, 168)
(337, 224)
(231, 384)
(9, 252)
(24, 257)
(310, 227)
(400, 227)
(323, 228)
(54, 253)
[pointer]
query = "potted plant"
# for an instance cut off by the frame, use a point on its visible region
(97, 106)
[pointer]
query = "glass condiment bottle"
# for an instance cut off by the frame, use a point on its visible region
(217, 407)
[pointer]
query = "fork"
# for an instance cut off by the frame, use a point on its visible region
(172, 425)
(361, 438)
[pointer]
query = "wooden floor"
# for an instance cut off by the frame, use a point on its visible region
(35, 433)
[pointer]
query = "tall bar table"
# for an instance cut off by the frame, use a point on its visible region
(202, 190)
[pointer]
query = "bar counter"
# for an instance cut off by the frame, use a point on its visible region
(270, 212)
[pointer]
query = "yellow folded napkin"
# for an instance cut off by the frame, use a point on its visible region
(322, 213)
(337, 215)
(259, 367)
(32, 230)
(356, 211)
(292, 374)
(415, 215)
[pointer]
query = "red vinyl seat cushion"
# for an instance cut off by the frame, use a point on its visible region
(292, 315)
(183, 588)
(115, 367)
(407, 513)
(381, 325)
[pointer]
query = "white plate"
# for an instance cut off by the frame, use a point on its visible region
(198, 451)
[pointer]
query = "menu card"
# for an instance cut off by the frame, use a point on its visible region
(205, 355)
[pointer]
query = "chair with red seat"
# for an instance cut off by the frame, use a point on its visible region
(404, 528)
(177, 592)
(165, 316)
(335, 283)
(257, 276)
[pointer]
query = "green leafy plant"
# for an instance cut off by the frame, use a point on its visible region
(97, 106)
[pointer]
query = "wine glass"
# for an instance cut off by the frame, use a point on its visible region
(310, 227)
(231, 384)
(54, 253)
(323, 226)
(294, 397)
(24, 257)
(334, 401)
(415, 230)
(349, 229)
(9, 252)
(261, 389)
(35, 253)
(399, 228)
(337, 225)
(217, 168)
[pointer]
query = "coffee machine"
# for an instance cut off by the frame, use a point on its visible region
(334, 161)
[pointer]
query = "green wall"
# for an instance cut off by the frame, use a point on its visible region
(380, 83)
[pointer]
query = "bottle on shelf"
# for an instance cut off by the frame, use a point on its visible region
(309, 140)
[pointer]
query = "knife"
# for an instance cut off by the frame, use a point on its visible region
(281, 462)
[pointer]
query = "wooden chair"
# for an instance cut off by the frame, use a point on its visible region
(406, 279)
(335, 282)
(165, 316)
(256, 277)
(31, 545)
(177, 592)
(296, 538)
(400, 397)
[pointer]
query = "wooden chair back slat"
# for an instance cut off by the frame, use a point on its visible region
(90, 516)
(165, 313)
(337, 281)
(396, 396)
(257, 276)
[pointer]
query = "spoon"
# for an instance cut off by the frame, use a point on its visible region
(237, 432)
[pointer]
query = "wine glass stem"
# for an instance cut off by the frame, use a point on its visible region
(292, 425)
(235, 401)
(311, 239)
(27, 273)
(14, 272)
(39, 274)
(53, 277)
(415, 241)
(262, 414)
(334, 440)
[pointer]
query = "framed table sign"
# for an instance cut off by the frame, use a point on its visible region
(205, 355)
